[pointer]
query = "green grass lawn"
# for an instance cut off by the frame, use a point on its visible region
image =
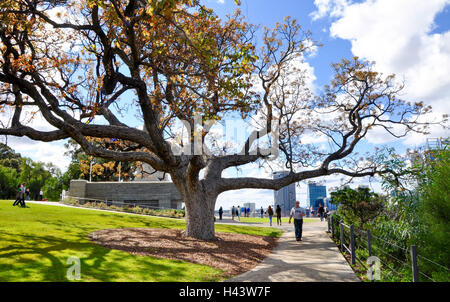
(274, 219)
(36, 242)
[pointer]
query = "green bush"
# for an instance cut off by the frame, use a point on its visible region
(435, 215)
(137, 210)
(115, 208)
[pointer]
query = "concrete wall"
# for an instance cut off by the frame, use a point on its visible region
(159, 193)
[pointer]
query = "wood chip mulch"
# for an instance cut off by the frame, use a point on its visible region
(233, 253)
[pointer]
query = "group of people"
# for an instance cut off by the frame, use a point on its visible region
(322, 212)
(237, 212)
(22, 194)
(270, 214)
(297, 213)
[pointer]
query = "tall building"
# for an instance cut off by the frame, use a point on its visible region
(250, 205)
(285, 197)
(316, 194)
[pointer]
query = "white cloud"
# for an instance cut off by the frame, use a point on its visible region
(328, 7)
(397, 36)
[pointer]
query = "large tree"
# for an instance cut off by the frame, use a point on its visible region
(172, 61)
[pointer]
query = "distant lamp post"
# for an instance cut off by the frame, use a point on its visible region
(90, 171)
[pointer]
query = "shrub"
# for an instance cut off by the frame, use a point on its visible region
(137, 210)
(115, 208)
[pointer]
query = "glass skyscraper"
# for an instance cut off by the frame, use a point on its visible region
(316, 195)
(284, 197)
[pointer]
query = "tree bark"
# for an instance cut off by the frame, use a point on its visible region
(200, 215)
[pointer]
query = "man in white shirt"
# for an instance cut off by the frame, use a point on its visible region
(297, 212)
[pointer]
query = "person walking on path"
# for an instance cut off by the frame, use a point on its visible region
(25, 194)
(320, 211)
(41, 195)
(311, 211)
(238, 212)
(278, 211)
(23, 190)
(220, 213)
(262, 212)
(297, 212)
(245, 212)
(248, 212)
(270, 214)
(233, 212)
(18, 195)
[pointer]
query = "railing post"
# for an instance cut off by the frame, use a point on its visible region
(415, 271)
(342, 236)
(369, 243)
(332, 227)
(328, 223)
(352, 244)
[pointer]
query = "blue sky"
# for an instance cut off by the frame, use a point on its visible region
(410, 38)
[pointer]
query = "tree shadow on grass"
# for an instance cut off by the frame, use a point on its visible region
(44, 258)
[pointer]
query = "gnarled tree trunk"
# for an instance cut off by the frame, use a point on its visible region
(199, 202)
(200, 215)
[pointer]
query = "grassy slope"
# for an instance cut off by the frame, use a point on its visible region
(36, 242)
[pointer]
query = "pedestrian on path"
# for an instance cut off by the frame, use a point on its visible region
(262, 212)
(220, 213)
(238, 212)
(297, 212)
(278, 211)
(245, 212)
(18, 195)
(23, 194)
(270, 214)
(233, 212)
(41, 195)
(320, 211)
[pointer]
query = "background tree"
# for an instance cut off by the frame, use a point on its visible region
(173, 60)
(14, 169)
(358, 206)
(9, 158)
(102, 169)
(8, 182)
(35, 174)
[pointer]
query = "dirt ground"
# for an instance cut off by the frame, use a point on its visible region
(233, 253)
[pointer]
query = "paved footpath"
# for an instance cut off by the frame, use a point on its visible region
(314, 259)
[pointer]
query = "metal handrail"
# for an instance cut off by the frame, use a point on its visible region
(360, 234)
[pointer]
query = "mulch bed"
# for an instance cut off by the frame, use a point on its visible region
(233, 253)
